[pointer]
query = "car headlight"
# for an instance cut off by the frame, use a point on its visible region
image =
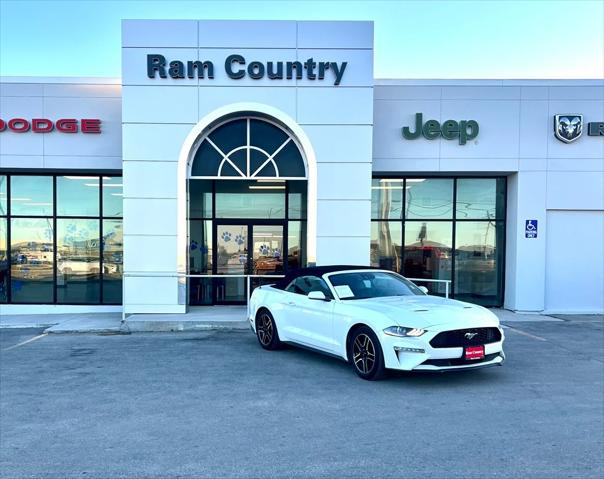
(402, 332)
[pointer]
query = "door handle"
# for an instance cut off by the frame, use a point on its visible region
(290, 303)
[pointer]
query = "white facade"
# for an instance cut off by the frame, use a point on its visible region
(548, 180)
(349, 133)
(55, 98)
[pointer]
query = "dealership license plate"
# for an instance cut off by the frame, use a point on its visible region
(474, 352)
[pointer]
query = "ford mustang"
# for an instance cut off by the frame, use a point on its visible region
(374, 319)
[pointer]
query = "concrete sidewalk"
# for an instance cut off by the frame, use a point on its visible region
(66, 323)
(197, 319)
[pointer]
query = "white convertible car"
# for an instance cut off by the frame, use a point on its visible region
(376, 320)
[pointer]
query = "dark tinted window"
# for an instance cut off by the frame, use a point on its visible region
(306, 284)
(249, 148)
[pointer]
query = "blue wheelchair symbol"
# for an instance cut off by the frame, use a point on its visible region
(530, 229)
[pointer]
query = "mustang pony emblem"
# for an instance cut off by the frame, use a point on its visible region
(568, 127)
(470, 335)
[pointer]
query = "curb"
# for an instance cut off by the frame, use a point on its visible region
(185, 326)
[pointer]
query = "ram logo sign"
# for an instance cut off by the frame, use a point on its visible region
(567, 127)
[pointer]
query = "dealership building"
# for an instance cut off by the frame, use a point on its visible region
(233, 151)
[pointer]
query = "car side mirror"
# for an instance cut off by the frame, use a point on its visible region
(423, 289)
(318, 295)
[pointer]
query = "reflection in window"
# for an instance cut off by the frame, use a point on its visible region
(431, 231)
(200, 261)
(296, 237)
(429, 198)
(72, 274)
(478, 261)
(3, 261)
(386, 244)
(112, 196)
(31, 195)
(3, 193)
(200, 247)
(267, 249)
(113, 261)
(387, 198)
(200, 198)
(78, 195)
(428, 246)
(78, 265)
(32, 260)
(297, 199)
(480, 198)
(250, 199)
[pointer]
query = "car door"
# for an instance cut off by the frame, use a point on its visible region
(310, 321)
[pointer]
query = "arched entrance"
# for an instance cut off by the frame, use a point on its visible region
(248, 205)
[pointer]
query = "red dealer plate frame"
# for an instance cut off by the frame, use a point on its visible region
(472, 353)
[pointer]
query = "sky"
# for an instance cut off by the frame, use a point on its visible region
(413, 39)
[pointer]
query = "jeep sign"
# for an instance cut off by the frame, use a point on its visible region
(464, 130)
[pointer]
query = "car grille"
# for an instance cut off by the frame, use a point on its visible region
(458, 338)
(459, 361)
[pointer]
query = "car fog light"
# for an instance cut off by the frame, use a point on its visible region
(401, 349)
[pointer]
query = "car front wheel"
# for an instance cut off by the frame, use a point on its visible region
(365, 353)
(266, 331)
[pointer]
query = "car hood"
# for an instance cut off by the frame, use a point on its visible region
(429, 311)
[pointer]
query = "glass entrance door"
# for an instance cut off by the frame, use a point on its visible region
(244, 248)
(231, 242)
(267, 249)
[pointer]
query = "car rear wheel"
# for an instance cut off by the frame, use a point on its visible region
(365, 353)
(266, 331)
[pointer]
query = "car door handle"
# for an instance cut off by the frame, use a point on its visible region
(291, 303)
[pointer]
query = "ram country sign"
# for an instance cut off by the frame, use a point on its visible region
(237, 67)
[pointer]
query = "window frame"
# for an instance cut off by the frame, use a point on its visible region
(248, 175)
(53, 218)
(454, 220)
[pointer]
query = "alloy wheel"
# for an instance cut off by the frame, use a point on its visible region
(265, 329)
(363, 353)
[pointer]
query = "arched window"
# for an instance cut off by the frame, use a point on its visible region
(248, 148)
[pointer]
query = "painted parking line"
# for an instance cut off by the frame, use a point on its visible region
(23, 343)
(524, 333)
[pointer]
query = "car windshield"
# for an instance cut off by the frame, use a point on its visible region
(372, 284)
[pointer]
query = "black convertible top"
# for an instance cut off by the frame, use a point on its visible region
(314, 271)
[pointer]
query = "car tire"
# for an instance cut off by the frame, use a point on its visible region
(266, 331)
(365, 354)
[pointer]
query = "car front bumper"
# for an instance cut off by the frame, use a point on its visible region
(416, 354)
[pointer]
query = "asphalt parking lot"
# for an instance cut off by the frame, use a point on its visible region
(214, 404)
